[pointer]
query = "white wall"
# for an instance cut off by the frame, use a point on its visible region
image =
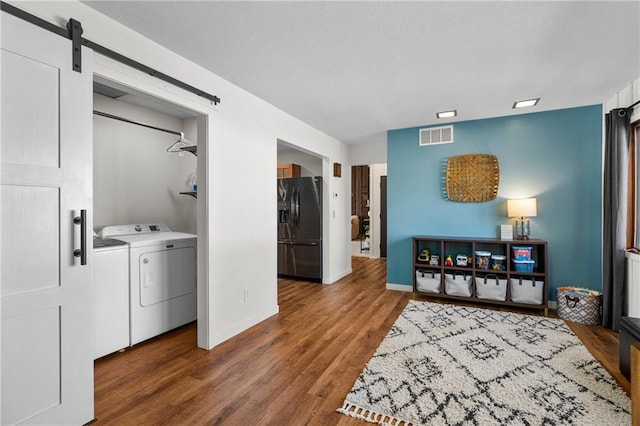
(135, 180)
(237, 158)
(627, 95)
(310, 165)
(365, 154)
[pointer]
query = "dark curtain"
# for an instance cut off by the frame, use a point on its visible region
(615, 193)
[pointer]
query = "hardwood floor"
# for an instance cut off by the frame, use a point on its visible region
(294, 368)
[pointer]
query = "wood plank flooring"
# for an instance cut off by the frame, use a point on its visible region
(293, 369)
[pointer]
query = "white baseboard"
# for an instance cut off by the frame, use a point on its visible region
(552, 304)
(338, 277)
(243, 325)
(399, 287)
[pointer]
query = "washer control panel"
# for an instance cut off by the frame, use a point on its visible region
(115, 230)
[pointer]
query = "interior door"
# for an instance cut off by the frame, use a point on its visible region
(45, 181)
(383, 216)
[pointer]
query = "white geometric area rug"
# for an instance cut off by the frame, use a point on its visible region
(452, 365)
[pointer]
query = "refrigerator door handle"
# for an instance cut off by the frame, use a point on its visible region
(303, 244)
(292, 202)
(296, 203)
(297, 243)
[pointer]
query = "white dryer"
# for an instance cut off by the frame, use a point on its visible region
(162, 277)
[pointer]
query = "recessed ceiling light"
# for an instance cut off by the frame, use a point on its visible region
(447, 114)
(525, 103)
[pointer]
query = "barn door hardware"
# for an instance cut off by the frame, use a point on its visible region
(75, 34)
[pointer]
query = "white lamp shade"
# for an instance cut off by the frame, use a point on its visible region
(525, 207)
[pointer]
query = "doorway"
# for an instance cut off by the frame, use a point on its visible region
(367, 202)
(360, 211)
(301, 251)
(138, 179)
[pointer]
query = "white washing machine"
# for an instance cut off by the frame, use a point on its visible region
(111, 296)
(162, 277)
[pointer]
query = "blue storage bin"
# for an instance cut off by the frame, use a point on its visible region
(521, 252)
(524, 265)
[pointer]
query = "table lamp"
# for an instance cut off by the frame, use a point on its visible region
(522, 209)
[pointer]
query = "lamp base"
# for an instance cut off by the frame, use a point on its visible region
(522, 228)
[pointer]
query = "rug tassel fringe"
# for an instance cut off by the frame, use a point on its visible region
(370, 416)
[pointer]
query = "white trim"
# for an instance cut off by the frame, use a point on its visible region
(552, 304)
(632, 293)
(376, 171)
(632, 255)
(244, 325)
(625, 97)
(340, 276)
(400, 287)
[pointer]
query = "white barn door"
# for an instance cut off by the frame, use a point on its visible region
(46, 180)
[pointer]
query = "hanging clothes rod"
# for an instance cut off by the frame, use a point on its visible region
(633, 105)
(126, 120)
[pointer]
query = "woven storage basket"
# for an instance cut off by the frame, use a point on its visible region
(525, 290)
(580, 305)
(491, 287)
(457, 284)
(428, 281)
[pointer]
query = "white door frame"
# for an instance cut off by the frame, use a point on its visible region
(108, 69)
(375, 172)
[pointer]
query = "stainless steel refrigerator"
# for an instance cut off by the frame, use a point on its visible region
(300, 228)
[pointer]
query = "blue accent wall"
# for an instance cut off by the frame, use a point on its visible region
(554, 156)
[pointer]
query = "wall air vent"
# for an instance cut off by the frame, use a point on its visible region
(436, 135)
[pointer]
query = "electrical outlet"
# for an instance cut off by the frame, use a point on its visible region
(246, 294)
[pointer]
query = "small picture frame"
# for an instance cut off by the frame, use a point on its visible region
(506, 232)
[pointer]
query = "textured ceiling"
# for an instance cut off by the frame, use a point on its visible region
(357, 69)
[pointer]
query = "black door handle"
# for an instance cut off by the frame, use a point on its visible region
(82, 251)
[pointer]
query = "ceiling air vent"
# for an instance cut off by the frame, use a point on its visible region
(436, 135)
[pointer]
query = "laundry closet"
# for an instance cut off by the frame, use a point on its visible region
(145, 217)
